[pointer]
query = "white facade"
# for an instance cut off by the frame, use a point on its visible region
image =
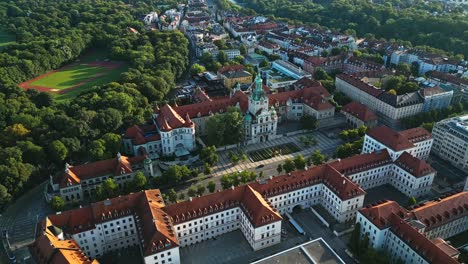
(451, 141)
(420, 150)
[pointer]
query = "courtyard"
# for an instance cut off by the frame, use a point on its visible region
(234, 248)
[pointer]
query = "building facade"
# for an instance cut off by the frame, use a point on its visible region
(79, 182)
(359, 115)
(416, 235)
(416, 141)
(451, 141)
(233, 75)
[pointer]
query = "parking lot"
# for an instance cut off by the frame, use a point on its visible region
(234, 248)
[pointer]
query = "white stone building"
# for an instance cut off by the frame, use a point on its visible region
(451, 141)
(414, 236)
(416, 141)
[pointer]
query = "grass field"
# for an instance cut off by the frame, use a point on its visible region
(6, 38)
(65, 83)
(70, 77)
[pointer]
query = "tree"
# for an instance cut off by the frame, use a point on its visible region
(211, 186)
(318, 158)
(172, 195)
(97, 150)
(299, 162)
(200, 189)
(175, 174)
(263, 64)
(209, 155)
(243, 50)
(139, 181)
(207, 169)
(403, 69)
(222, 57)
(355, 239)
(197, 69)
(415, 68)
(192, 191)
(412, 201)
(57, 151)
(288, 165)
(109, 188)
(181, 196)
(321, 74)
(57, 203)
(428, 126)
(5, 197)
(279, 169)
(226, 128)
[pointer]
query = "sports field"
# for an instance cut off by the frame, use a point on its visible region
(6, 38)
(67, 82)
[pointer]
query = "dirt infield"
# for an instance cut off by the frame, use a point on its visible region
(107, 66)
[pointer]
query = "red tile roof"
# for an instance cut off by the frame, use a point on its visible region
(324, 174)
(142, 134)
(418, 242)
(448, 78)
(397, 141)
(237, 67)
(359, 111)
(415, 166)
(155, 224)
(169, 119)
(48, 248)
(115, 166)
(439, 212)
(379, 213)
(249, 200)
(316, 86)
(416, 135)
(362, 162)
(307, 95)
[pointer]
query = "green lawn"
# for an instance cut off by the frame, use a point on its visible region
(69, 77)
(6, 38)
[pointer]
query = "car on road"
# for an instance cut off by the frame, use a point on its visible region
(260, 166)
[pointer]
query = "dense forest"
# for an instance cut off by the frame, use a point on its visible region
(421, 23)
(39, 135)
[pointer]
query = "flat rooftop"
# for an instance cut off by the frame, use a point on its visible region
(315, 251)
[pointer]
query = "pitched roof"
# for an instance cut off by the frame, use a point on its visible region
(448, 78)
(49, 248)
(413, 165)
(431, 91)
(156, 225)
(360, 111)
(142, 134)
(310, 96)
(362, 162)
(259, 211)
(441, 211)
(356, 81)
(379, 213)
(169, 119)
(116, 166)
(231, 68)
(398, 141)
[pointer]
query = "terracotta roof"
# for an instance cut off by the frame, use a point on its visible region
(308, 95)
(116, 166)
(416, 135)
(169, 119)
(201, 96)
(229, 68)
(324, 174)
(359, 111)
(439, 212)
(379, 213)
(362, 162)
(49, 248)
(156, 225)
(316, 86)
(431, 91)
(418, 242)
(390, 138)
(445, 247)
(248, 199)
(142, 134)
(448, 78)
(413, 165)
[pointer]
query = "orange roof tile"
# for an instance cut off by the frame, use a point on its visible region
(362, 162)
(169, 119)
(413, 165)
(360, 111)
(390, 138)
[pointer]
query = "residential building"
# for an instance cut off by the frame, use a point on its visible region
(231, 53)
(76, 183)
(170, 20)
(416, 141)
(426, 61)
(451, 141)
(233, 75)
(435, 98)
(449, 82)
(416, 235)
(359, 115)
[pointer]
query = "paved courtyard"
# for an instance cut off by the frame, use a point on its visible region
(325, 144)
(234, 248)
